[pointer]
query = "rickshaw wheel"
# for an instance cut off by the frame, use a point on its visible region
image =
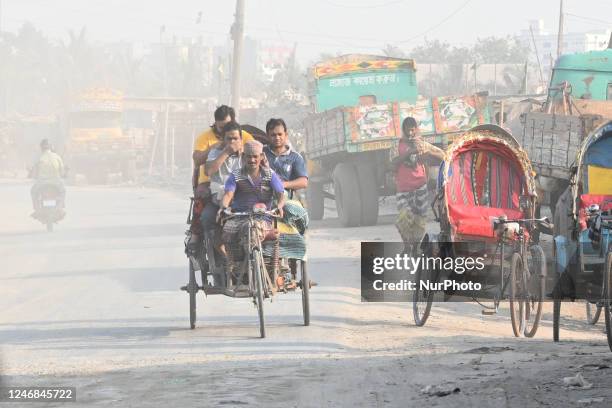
(556, 300)
(535, 290)
(305, 293)
(517, 303)
(259, 295)
(421, 299)
(608, 297)
(592, 316)
(192, 289)
(556, 317)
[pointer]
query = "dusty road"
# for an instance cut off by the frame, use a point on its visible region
(96, 305)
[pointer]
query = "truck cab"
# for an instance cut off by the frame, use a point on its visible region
(585, 75)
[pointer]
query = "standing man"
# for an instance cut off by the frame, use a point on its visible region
(411, 181)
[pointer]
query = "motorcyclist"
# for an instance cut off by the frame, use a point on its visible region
(48, 170)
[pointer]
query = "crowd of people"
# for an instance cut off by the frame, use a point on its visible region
(234, 172)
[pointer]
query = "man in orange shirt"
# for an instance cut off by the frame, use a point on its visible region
(204, 142)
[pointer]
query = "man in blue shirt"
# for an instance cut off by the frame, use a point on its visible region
(289, 165)
(291, 168)
(253, 183)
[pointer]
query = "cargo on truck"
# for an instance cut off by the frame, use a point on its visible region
(358, 105)
(579, 100)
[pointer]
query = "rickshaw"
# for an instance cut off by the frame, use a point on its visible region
(259, 274)
(485, 206)
(583, 232)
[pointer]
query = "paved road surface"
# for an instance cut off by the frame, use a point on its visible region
(96, 305)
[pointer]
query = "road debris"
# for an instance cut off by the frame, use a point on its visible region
(577, 381)
(589, 401)
(440, 390)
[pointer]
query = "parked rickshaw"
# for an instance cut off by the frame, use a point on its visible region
(259, 274)
(583, 232)
(485, 205)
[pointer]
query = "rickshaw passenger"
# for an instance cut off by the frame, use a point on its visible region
(251, 184)
(290, 166)
(411, 181)
(201, 148)
(223, 159)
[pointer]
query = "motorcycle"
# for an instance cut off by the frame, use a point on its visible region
(50, 206)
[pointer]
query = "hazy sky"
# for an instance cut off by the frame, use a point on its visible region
(316, 25)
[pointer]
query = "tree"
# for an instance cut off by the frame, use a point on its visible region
(438, 52)
(393, 51)
(494, 50)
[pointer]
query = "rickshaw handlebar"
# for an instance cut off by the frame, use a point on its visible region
(228, 214)
(544, 221)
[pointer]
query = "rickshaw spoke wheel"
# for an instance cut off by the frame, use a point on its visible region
(556, 318)
(422, 299)
(608, 297)
(556, 300)
(536, 274)
(517, 299)
(305, 293)
(259, 288)
(192, 289)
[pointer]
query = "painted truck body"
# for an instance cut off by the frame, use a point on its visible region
(359, 103)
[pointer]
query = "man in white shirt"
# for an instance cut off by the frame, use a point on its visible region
(222, 160)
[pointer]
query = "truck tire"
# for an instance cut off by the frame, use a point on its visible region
(315, 200)
(346, 190)
(368, 193)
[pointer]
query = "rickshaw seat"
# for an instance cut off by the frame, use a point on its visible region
(477, 220)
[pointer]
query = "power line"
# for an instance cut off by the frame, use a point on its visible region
(444, 20)
(588, 19)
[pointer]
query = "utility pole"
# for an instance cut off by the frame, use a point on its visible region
(237, 36)
(162, 30)
(560, 35)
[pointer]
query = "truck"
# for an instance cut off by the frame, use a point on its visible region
(358, 104)
(96, 144)
(579, 99)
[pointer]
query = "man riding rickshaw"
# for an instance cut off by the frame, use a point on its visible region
(262, 248)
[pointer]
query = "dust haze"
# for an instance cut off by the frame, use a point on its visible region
(93, 261)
